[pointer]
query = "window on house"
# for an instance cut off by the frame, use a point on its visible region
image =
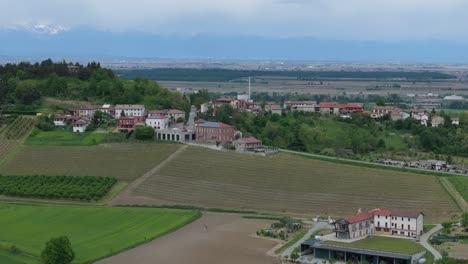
(409, 227)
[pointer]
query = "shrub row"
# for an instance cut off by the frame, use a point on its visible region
(85, 188)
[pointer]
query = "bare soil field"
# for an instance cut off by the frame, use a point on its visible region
(214, 238)
(289, 184)
(122, 161)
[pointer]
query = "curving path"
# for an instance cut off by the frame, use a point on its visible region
(425, 243)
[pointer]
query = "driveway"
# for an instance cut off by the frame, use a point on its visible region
(317, 226)
(424, 241)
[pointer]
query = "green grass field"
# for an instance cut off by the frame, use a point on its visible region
(10, 258)
(122, 161)
(292, 184)
(388, 244)
(461, 185)
(68, 138)
(94, 232)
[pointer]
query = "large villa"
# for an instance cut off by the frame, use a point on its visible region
(376, 236)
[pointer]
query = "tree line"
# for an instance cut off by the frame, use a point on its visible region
(334, 135)
(23, 85)
(226, 75)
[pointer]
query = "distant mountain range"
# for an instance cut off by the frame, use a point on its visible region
(41, 41)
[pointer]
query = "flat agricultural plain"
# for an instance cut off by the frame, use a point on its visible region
(291, 184)
(122, 161)
(94, 232)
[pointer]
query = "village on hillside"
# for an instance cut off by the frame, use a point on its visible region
(178, 126)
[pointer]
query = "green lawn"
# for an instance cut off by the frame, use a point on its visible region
(388, 244)
(94, 231)
(10, 258)
(68, 138)
(461, 185)
(296, 238)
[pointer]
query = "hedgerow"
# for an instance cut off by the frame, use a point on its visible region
(86, 188)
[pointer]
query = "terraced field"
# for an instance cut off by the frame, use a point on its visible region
(285, 183)
(122, 161)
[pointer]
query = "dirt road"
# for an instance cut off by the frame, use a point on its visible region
(214, 238)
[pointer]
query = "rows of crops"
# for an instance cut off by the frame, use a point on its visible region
(292, 184)
(6, 146)
(18, 129)
(122, 161)
(56, 187)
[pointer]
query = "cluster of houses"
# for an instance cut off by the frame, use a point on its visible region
(399, 223)
(422, 116)
(168, 124)
(243, 104)
(437, 165)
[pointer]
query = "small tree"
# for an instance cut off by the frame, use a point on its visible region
(58, 251)
(144, 133)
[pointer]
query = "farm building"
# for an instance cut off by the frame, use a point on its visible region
(129, 110)
(247, 144)
(408, 223)
(455, 121)
(348, 253)
(214, 132)
(384, 110)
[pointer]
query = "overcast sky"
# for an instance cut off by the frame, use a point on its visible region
(336, 19)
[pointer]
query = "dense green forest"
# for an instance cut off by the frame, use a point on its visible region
(333, 135)
(224, 75)
(23, 85)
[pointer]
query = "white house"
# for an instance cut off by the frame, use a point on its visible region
(456, 121)
(437, 121)
(407, 223)
(422, 117)
(129, 110)
(80, 126)
(157, 122)
(306, 106)
(60, 120)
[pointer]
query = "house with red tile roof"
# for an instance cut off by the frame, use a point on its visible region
(399, 222)
(247, 144)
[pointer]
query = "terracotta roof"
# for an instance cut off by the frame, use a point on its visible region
(249, 140)
(327, 105)
(381, 212)
(301, 102)
(224, 99)
(406, 213)
(360, 217)
(275, 107)
(80, 122)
